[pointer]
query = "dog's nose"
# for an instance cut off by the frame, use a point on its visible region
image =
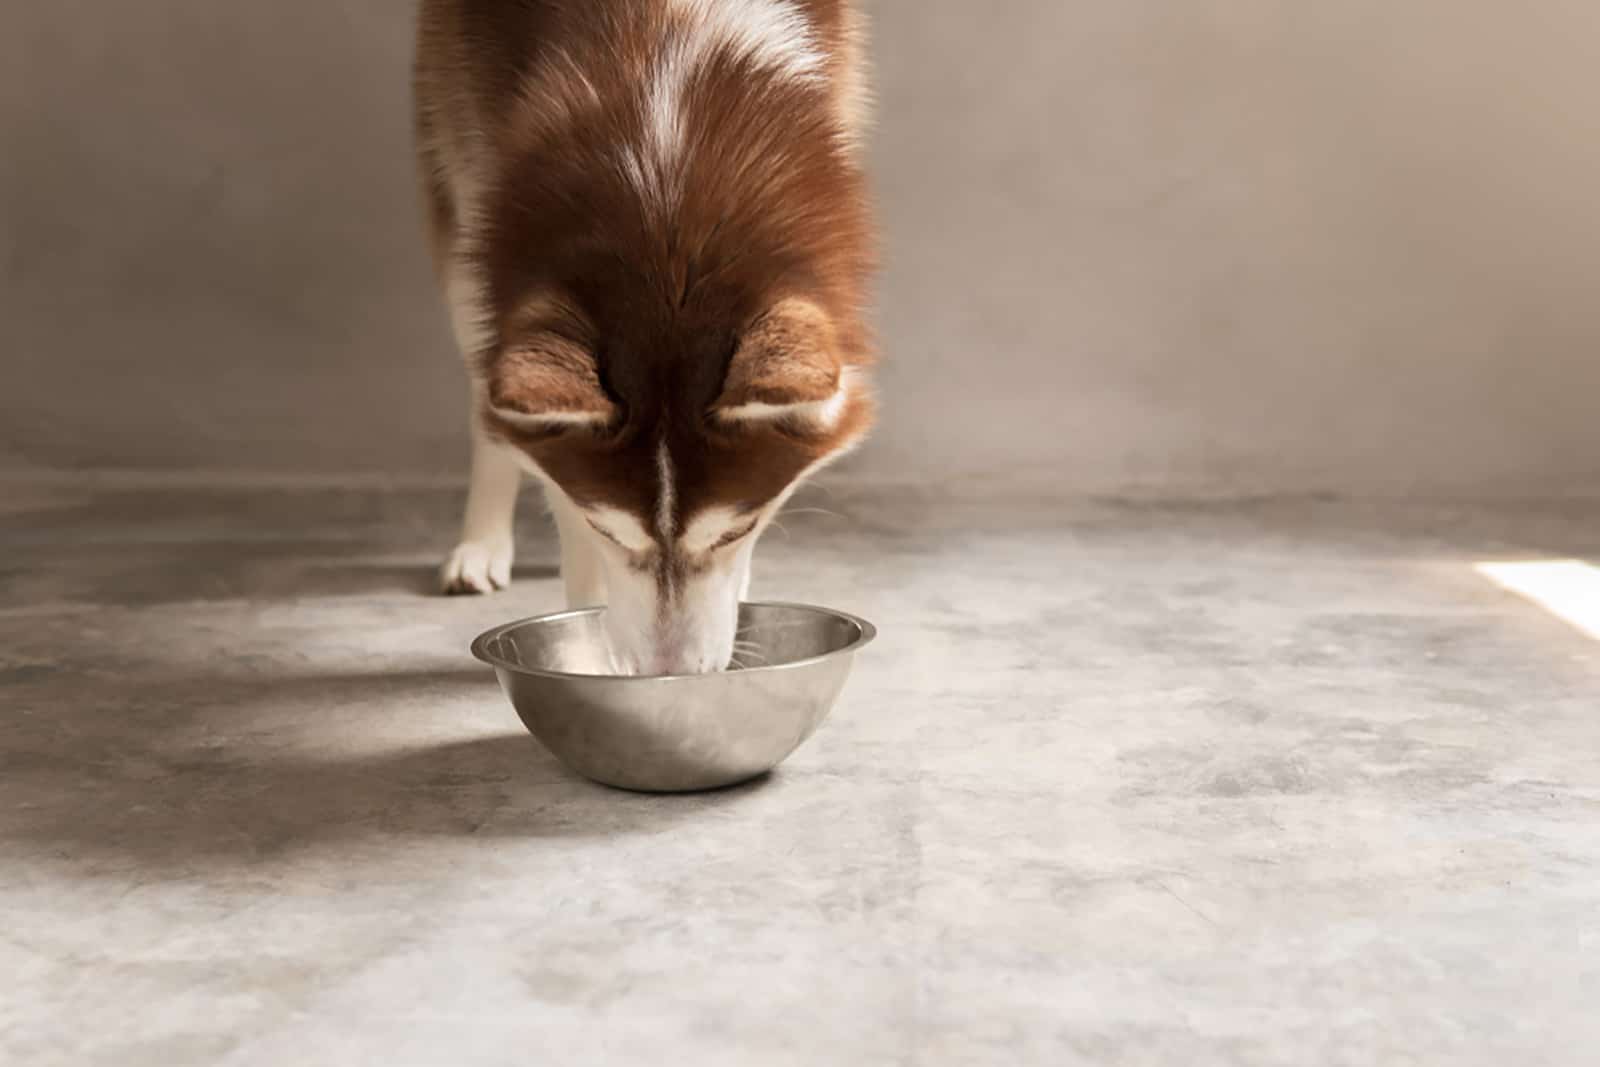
(668, 657)
(682, 657)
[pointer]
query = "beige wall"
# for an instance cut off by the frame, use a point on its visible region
(1243, 244)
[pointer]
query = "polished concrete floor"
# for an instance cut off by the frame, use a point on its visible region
(1123, 782)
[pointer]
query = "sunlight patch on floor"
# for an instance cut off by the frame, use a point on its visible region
(1569, 589)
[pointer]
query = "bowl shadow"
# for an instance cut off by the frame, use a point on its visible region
(167, 788)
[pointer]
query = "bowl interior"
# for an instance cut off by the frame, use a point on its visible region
(574, 642)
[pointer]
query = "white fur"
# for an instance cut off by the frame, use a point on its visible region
(582, 571)
(822, 413)
(707, 528)
(481, 563)
(667, 500)
(622, 528)
(664, 101)
(549, 420)
(653, 180)
(696, 636)
(772, 34)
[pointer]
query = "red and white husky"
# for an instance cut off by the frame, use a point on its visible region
(650, 224)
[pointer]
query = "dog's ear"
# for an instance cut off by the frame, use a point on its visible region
(544, 378)
(787, 365)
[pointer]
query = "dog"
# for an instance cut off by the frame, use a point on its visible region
(650, 223)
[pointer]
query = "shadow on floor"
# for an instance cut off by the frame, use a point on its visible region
(358, 577)
(141, 575)
(156, 779)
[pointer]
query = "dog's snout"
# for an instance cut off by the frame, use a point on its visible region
(680, 653)
(675, 653)
(692, 633)
(669, 656)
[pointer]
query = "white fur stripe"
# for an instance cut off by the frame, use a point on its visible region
(667, 500)
(772, 34)
(824, 413)
(664, 102)
(549, 420)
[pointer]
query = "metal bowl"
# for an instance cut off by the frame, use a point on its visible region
(678, 732)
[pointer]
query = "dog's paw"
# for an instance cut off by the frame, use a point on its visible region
(476, 567)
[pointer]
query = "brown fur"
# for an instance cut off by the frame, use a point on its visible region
(790, 355)
(744, 281)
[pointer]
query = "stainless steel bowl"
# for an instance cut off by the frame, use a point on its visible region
(678, 732)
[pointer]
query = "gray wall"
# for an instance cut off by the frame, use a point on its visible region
(1198, 247)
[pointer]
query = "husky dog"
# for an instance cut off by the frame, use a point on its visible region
(650, 224)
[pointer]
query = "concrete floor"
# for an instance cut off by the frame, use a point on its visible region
(1267, 782)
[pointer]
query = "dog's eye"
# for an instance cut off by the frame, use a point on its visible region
(733, 535)
(624, 531)
(603, 532)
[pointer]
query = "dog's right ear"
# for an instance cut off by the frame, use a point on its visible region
(787, 367)
(543, 379)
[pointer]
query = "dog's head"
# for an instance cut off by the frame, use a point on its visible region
(677, 446)
(676, 290)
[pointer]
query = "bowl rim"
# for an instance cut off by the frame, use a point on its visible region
(865, 634)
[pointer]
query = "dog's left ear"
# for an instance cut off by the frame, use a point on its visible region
(787, 365)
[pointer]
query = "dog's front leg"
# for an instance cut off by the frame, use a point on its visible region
(481, 563)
